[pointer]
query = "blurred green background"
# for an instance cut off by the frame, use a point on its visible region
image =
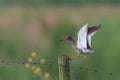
(39, 25)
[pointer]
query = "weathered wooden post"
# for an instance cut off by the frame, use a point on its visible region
(64, 68)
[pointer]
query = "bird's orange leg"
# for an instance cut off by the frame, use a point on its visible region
(78, 57)
(87, 63)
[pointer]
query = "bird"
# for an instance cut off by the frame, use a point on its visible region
(83, 43)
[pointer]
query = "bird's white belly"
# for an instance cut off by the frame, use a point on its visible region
(83, 51)
(76, 49)
(87, 51)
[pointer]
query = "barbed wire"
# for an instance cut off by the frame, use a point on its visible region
(52, 62)
(81, 68)
(8, 62)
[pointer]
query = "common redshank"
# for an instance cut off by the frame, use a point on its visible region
(83, 44)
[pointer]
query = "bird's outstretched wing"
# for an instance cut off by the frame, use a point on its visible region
(82, 37)
(91, 31)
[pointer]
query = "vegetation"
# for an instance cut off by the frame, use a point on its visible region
(24, 29)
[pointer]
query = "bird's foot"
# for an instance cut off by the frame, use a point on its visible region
(72, 58)
(86, 69)
(75, 58)
(87, 63)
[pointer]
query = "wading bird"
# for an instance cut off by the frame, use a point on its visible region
(83, 44)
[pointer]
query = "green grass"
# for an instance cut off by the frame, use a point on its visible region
(106, 43)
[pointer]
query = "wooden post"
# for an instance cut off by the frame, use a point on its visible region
(64, 69)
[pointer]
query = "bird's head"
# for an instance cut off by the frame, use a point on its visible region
(67, 38)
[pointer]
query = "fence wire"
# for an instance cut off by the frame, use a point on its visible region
(53, 62)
